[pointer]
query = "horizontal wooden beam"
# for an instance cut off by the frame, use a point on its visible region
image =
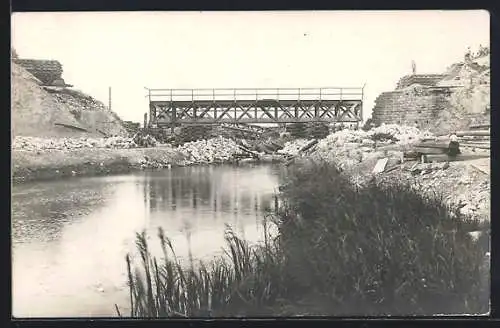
(254, 120)
(248, 103)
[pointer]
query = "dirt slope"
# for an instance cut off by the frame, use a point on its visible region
(470, 99)
(35, 111)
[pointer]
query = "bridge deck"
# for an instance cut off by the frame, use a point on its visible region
(332, 93)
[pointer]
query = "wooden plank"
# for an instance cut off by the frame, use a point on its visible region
(432, 145)
(473, 133)
(482, 168)
(380, 166)
(423, 150)
(479, 126)
(71, 126)
(437, 158)
(254, 154)
(479, 146)
(102, 132)
(308, 146)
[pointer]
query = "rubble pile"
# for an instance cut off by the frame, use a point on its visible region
(350, 147)
(76, 100)
(459, 186)
(344, 148)
(401, 134)
(293, 147)
(145, 140)
(37, 144)
(212, 150)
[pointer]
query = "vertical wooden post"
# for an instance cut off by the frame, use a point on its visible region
(145, 120)
(174, 118)
(362, 101)
(152, 114)
(109, 98)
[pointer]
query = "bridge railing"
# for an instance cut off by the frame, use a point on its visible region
(331, 93)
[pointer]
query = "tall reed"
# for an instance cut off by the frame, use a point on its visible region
(246, 277)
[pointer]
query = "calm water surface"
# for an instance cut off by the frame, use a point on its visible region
(70, 237)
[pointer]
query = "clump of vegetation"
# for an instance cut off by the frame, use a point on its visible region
(369, 124)
(380, 249)
(247, 280)
(383, 137)
(340, 250)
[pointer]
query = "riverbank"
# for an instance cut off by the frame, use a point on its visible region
(56, 164)
(49, 159)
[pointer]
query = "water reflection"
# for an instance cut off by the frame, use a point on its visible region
(208, 188)
(70, 237)
(194, 201)
(40, 211)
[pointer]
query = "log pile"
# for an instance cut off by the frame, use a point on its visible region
(444, 150)
(475, 139)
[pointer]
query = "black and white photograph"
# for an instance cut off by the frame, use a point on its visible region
(246, 164)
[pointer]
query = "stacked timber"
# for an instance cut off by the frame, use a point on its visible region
(475, 139)
(448, 150)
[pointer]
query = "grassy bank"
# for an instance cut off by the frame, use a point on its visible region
(340, 250)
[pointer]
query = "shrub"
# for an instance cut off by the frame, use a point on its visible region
(378, 249)
(369, 124)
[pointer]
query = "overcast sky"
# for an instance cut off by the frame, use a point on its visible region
(130, 51)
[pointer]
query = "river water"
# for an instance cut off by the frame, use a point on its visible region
(70, 237)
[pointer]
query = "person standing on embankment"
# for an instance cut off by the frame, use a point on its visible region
(453, 146)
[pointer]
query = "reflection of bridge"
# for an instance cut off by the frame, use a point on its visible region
(208, 189)
(213, 106)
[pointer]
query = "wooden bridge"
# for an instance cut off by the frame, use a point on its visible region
(168, 107)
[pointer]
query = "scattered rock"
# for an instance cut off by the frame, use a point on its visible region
(37, 144)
